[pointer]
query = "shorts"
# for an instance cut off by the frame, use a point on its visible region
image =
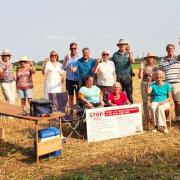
(25, 93)
(72, 86)
(176, 91)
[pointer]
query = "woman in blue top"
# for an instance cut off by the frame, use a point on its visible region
(161, 96)
(90, 94)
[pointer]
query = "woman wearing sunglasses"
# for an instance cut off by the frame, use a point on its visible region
(8, 84)
(53, 72)
(105, 72)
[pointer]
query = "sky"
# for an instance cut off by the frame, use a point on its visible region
(35, 27)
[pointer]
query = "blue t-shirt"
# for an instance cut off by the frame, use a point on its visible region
(85, 68)
(91, 94)
(160, 92)
(73, 76)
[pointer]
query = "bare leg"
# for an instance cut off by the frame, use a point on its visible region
(71, 98)
(23, 105)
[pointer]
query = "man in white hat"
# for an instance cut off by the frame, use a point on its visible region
(7, 80)
(123, 59)
(170, 64)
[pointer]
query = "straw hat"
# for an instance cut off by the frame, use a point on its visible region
(24, 59)
(5, 52)
(150, 55)
(122, 41)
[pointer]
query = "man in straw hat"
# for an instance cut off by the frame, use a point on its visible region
(171, 67)
(123, 59)
(7, 80)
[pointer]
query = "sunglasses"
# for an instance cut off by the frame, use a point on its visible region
(53, 55)
(105, 54)
(5, 55)
(73, 48)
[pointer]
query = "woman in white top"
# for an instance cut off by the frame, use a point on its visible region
(53, 75)
(105, 71)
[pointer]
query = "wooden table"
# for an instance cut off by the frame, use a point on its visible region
(41, 147)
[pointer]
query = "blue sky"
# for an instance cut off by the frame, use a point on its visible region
(35, 27)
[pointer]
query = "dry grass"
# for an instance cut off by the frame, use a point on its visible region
(146, 156)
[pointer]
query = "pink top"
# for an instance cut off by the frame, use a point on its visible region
(24, 80)
(121, 101)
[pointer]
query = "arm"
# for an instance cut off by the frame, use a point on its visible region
(32, 68)
(149, 89)
(140, 74)
(131, 58)
(101, 99)
(115, 78)
(83, 99)
(1, 73)
(44, 66)
(95, 68)
(65, 61)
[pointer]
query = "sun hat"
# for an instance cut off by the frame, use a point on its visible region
(6, 52)
(150, 55)
(23, 58)
(122, 41)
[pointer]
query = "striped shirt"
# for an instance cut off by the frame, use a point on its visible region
(171, 68)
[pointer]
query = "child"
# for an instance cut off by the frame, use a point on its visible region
(24, 82)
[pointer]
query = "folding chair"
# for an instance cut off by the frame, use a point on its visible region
(60, 103)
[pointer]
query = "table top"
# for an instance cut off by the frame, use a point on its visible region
(16, 111)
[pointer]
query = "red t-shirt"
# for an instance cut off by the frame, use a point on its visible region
(121, 101)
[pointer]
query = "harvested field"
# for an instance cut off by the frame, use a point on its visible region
(145, 156)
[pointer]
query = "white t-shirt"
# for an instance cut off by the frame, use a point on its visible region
(105, 73)
(52, 82)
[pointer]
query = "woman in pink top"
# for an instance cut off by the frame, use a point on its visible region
(24, 81)
(117, 97)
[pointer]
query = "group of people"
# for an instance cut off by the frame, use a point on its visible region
(92, 80)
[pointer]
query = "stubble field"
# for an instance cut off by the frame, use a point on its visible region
(145, 156)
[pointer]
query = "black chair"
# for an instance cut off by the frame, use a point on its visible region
(73, 116)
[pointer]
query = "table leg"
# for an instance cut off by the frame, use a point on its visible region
(37, 153)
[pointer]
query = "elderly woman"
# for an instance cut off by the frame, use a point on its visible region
(105, 71)
(90, 94)
(161, 96)
(146, 72)
(24, 81)
(8, 84)
(53, 75)
(117, 97)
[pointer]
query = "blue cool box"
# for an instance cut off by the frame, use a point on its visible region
(46, 133)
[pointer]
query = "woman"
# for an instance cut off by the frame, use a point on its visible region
(90, 94)
(105, 71)
(53, 72)
(117, 97)
(146, 72)
(161, 96)
(24, 81)
(8, 84)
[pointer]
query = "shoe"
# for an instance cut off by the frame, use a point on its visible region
(166, 131)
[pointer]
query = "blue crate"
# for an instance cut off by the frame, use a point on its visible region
(47, 133)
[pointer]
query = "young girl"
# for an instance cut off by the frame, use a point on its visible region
(24, 81)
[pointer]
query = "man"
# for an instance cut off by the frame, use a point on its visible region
(70, 61)
(123, 59)
(85, 66)
(171, 67)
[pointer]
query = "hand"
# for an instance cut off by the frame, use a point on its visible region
(90, 106)
(71, 69)
(66, 58)
(128, 50)
(102, 103)
(98, 61)
(31, 63)
(45, 61)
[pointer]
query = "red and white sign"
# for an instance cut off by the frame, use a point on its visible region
(113, 122)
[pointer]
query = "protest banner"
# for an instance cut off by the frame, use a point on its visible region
(113, 122)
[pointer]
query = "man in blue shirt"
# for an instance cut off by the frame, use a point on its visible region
(85, 66)
(70, 61)
(123, 59)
